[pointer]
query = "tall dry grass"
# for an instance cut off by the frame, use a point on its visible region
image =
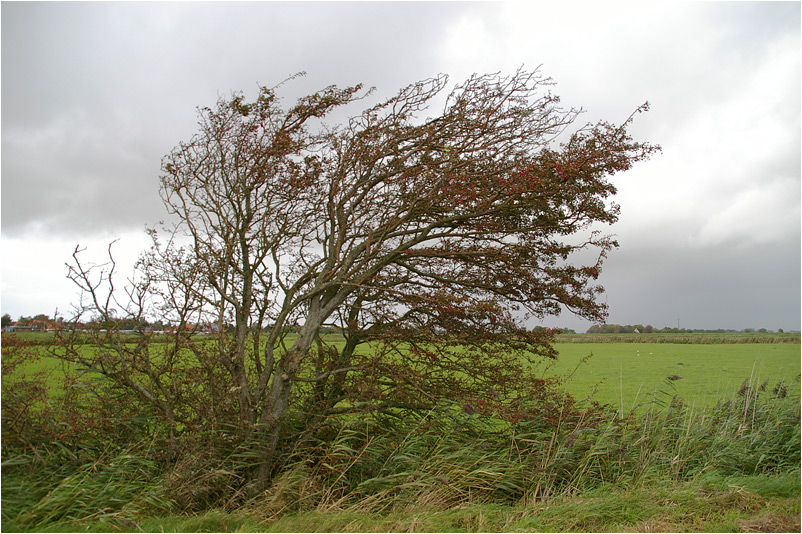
(450, 458)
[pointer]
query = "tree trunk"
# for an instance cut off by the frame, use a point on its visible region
(277, 401)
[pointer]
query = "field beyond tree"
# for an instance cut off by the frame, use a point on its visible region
(630, 374)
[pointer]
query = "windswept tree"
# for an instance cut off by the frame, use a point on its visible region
(428, 239)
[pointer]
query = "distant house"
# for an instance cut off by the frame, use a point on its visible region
(15, 328)
(636, 331)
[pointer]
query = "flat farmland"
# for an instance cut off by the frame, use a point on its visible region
(624, 374)
(627, 375)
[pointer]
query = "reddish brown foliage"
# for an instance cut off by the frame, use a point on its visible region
(433, 240)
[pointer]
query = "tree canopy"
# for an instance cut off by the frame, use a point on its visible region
(426, 239)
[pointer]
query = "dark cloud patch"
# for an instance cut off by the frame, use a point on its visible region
(715, 287)
(94, 94)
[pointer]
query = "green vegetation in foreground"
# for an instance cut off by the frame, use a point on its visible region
(734, 466)
(628, 375)
(709, 506)
(742, 504)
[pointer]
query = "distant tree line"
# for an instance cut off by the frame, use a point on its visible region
(37, 322)
(554, 330)
(43, 322)
(649, 329)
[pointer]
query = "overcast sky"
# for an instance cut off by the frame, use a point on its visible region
(94, 94)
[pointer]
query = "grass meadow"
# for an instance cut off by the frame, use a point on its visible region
(691, 437)
(625, 374)
(629, 375)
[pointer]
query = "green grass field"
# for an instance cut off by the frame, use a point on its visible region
(629, 374)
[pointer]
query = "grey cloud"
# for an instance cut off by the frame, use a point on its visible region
(717, 287)
(94, 94)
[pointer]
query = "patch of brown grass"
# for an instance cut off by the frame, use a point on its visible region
(770, 522)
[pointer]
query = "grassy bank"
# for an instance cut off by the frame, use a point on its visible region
(730, 468)
(714, 505)
(745, 504)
